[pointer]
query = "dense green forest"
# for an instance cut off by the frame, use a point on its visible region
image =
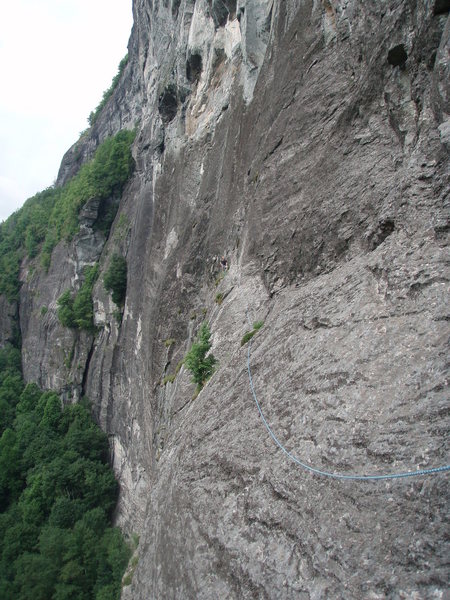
(52, 215)
(57, 493)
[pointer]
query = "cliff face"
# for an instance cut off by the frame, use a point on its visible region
(306, 140)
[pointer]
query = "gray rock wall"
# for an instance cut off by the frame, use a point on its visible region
(305, 140)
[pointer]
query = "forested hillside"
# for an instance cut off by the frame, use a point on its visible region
(57, 488)
(57, 496)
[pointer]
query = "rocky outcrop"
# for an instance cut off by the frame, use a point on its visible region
(8, 321)
(305, 140)
(54, 356)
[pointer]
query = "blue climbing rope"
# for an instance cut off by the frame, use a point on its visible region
(357, 477)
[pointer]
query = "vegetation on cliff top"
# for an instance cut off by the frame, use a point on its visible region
(109, 92)
(57, 494)
(52, 215)
(105, 175)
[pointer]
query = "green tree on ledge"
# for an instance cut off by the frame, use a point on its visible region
(77, 311)
(115, 279)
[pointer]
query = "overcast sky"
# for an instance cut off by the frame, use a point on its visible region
(56, 59)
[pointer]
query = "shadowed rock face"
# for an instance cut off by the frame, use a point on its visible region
(308, 142)
(221, 10)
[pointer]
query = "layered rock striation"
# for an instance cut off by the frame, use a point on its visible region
(308, 142)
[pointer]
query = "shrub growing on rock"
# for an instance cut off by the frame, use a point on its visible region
(198, 361)
(249, 334)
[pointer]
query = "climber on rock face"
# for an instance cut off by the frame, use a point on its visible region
(224, 263)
